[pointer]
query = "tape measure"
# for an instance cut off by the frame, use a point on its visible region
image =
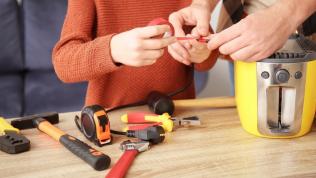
(94, 122)
(95, 125)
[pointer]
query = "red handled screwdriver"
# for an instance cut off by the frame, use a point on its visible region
(201, 39)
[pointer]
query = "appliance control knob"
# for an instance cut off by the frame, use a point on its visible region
(282, 76)
(298, 75)
(265, 75)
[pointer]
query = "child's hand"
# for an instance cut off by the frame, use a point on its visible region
(198, 51)
(137, 47)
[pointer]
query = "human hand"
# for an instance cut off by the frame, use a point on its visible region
(138, 47)
(197, 14)
(257, 36)
(198, 51)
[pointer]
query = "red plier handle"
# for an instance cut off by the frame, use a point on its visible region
(141, 126)
(120, 169)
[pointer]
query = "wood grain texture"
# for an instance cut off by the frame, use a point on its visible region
(218, 148)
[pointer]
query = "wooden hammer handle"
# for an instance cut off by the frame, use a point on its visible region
(215, 102)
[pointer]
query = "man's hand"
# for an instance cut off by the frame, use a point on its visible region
(197, 14)
(260, 34)
(198, 51)
(137, 47)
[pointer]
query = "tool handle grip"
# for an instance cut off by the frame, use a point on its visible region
(136, 118)
(94, 158)
(141, 126)
(5, 126)
(120, 169)
(217, 102)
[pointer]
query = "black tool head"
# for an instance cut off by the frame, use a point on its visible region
(160, 103)
(14, 143)
(27, 122)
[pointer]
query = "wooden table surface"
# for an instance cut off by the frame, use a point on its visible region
(217, 148)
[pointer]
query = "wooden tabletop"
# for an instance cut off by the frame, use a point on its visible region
(217, 148)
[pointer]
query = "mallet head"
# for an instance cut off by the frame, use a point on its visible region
(29, 122)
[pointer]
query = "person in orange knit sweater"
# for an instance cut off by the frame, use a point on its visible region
(109, 44)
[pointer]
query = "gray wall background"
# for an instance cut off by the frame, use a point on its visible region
(218, 78)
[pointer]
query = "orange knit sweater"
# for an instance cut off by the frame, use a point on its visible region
(83, 52)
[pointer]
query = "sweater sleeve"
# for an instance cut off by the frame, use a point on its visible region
(78, 56)
(208, 63)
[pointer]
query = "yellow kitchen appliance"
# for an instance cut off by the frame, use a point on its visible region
(276, 97)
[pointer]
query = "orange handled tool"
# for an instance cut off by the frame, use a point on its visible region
(96, 159)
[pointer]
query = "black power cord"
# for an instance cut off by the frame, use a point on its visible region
(158, 102)
(153, 134)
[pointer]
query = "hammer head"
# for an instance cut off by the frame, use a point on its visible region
(160, 103)
(29, 122)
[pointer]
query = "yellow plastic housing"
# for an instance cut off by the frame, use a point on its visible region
(5, 126)
(246, 98)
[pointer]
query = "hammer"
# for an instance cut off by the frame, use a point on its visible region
(44, 122)
(160, 103)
